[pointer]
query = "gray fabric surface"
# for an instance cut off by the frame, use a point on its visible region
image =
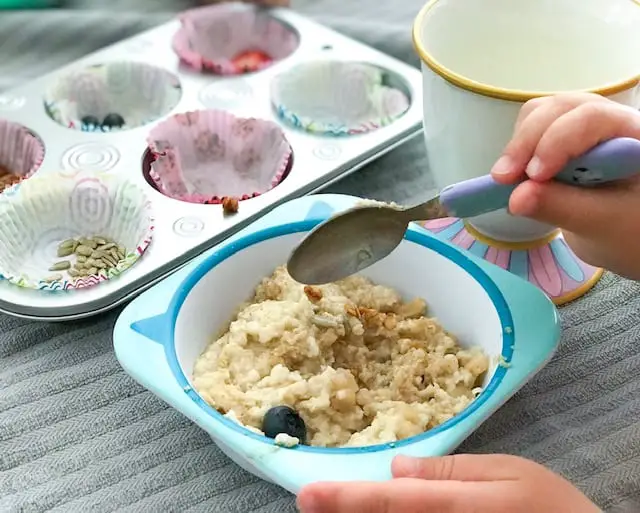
(77, 434)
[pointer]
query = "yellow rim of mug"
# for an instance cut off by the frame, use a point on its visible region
(500, 93)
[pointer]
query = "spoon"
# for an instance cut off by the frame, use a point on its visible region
(359, 237)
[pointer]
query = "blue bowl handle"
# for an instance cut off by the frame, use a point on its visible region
(156, 328)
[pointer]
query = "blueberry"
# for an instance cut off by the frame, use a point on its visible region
(90, 122)
(282, 419)
(113, 121)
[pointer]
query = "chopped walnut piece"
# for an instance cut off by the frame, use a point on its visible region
(352, 310)
(230, 205)
(313, 293)
(367, 313)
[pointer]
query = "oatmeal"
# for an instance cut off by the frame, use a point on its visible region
(343, 364)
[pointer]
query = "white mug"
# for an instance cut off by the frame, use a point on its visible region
(483, 59)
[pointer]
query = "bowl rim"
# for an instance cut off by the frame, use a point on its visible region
(419, 237)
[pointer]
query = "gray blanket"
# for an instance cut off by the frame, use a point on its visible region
(77, 434)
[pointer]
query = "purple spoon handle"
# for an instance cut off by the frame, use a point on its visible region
(612, 160)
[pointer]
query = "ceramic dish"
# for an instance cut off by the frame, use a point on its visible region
(158, 336)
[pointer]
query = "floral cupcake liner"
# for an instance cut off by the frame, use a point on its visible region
(337, 98)
(21, 153)
(232, 38)
(205, 156)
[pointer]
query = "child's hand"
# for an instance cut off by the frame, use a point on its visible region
(453, 484)
(601, 225)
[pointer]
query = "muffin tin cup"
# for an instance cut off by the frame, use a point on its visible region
(46, 210)
(205, 156)
(114, 96)
(232, 39)
(21, 153)
(337, 97)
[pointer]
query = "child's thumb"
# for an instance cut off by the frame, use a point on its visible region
(576, 209)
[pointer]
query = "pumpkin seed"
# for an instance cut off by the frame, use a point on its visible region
(99, 263)
(63, 265)
(122, 250)
(88, 242)
(74, 273)
(65, 251)
(105, 240)
(69, 243)
(108, 245)
(109, 260)
(84, 250)
(324, 322)
(97, 254)
(81, 259)
(53, 277)
(92, 271)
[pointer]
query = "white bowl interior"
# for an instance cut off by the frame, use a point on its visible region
(459, 302)
(544, 45)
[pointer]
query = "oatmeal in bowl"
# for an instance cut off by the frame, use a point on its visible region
(404, 352)
(346, 364)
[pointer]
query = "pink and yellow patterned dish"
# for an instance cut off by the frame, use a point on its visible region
(205, 156)
(232, 38)
(548, 263)
(21, 153)
(47, 210)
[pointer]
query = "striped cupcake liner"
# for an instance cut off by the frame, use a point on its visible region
(49, 209)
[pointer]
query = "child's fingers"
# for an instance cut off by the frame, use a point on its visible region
(535, 117)
(584, 212)
(458, 467)
(577, 131)
(520, 149)
(399, 495)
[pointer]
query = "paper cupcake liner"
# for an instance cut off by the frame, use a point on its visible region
(338, 98)
(46, 210)
(21, 153)
(113, 96)
(232, 38)
(204, 156)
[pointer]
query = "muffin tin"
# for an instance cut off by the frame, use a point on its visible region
(184, 230)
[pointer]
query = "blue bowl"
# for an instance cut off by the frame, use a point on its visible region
(159, 336)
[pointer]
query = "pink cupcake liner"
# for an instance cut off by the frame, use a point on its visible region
(204, 156)
(232, 38)
(21, 152)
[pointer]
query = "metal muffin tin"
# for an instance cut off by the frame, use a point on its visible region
(184, 230)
